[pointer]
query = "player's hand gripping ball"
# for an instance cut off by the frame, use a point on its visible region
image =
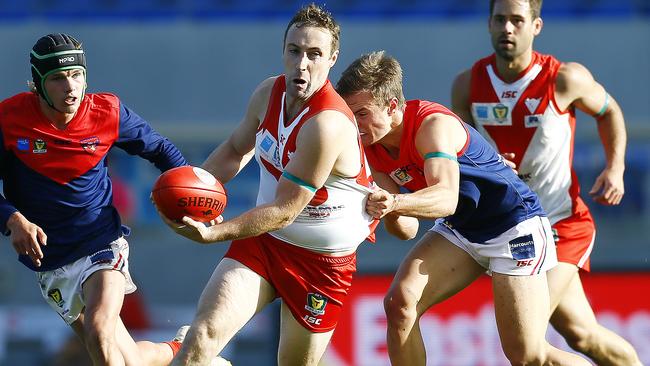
(189, 191)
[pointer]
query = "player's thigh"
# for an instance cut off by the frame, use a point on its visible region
(103, 294)
(434, 270)
(573, 314)
(560, 279)
(233, 295)
(521, 305)
(299, 346)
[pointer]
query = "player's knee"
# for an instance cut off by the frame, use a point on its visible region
(524, 356)
(578, 337)
(98, 340)
(400, 309)
(206, 334)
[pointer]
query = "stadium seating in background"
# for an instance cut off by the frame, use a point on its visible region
(268, 9)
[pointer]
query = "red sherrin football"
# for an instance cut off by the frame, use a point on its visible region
(189, 191)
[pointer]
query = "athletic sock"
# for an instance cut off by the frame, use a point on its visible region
(175, 346)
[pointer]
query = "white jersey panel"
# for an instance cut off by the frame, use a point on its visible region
(546, 165)
(337, 224)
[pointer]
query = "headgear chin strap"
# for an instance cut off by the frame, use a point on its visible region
(52, 53)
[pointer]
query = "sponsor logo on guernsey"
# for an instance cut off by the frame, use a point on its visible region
(55, 295)
(90, 144)
(316, 304)
(500, 112)
(22, 144)
(532, 104)
(491, 114)
(509, 94)
(400, 176)
(40, 147)
(320, 212)
(522, 247)
(533, 121)
(269, 150)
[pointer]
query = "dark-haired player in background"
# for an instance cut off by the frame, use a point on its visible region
(524, 102)
(57, 203)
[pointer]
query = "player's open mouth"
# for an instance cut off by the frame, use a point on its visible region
(71, 100)
(299, 81)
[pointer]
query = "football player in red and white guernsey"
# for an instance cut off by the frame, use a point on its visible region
(299, 242)
(524, 103)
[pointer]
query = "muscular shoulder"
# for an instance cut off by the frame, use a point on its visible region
(460, 86)
(571, 79)
(330, 124)
(259, 100)
(440, 129)
(460, 94)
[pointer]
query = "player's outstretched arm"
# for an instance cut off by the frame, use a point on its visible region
(230, 157)
(576, 86)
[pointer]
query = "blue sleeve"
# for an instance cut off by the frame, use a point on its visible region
(6, 208)
(137, 137)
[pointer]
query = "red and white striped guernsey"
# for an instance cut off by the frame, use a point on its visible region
(335, 220)
(522, 117)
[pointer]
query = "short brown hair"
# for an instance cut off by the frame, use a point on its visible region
(313, 15)
(376, 73)
(535, 8)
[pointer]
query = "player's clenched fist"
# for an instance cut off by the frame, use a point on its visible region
(380, 203)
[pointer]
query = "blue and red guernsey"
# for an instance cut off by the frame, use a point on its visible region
(58, 178)
(492, 199)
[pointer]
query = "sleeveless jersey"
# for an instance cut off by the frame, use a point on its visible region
(522, 117)
(335, 220)
(58, 178)
(492, 199)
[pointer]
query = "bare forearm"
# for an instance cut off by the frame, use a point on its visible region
(259, 220)
(611, 128)
(429, 203)
(402, 227)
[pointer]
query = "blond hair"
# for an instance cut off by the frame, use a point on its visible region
(376, 73)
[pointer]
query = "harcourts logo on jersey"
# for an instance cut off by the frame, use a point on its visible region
(522, 247)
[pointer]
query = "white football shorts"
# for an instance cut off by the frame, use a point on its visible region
(62, 287)
(524, 250)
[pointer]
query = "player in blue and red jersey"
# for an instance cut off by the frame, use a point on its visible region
(487, 218)
(57, 204)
